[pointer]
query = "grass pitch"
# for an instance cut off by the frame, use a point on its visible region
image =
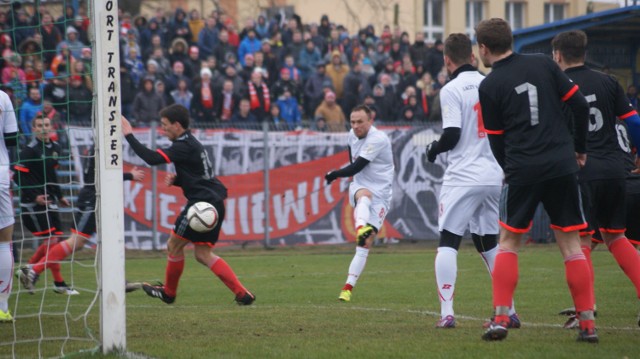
(392, 313)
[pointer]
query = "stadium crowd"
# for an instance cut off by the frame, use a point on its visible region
(266, 69)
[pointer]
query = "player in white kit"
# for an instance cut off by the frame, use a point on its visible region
(370, 191)
(473, 179)
(8, 137)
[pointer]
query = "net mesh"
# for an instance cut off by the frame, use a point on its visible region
(46, 70)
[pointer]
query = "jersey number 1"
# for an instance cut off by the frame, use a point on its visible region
(481, 131)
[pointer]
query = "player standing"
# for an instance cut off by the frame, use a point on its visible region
(39, 192)
(602, 179)
(370, 192)
(194, 175)
(83, 228)
(521, 102)
(472, 181)
(8, 138)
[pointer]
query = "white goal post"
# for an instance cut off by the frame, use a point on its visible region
(109, 206)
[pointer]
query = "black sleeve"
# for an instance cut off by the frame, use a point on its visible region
(497, 147)
(127, 176)
(147, 155)
(449, 139)
(352, 169)
(580, 108)
(11, 139)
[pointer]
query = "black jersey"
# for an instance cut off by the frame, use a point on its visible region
(522, 101)
(607, 101)
(36, 171)
(194, 172)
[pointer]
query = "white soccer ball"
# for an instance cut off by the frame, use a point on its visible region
(202, 217)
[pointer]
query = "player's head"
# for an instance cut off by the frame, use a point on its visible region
(41, 127)
(457, 51)
(361, 120)
(569, 47)
(494, 38)
(174, 120)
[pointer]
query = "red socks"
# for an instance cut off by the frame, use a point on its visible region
(586, 250)
(173, 272)
(227, 276)
(628, 259)
(580, 286)
(505, 280)
(347, 287)
(42, 250)
(56, 253)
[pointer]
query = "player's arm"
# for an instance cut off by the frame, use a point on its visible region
(135, 175)
(348, 171)
(580, 109)
(627, 113)
(448, 141)
(149, 156)
(451, 105)
(10, 129)
(29, 190)
(493, 126)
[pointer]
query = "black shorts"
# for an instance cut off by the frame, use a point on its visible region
(84, 221)
(560, 197)
(604, 205)
(182, 230)
(40, 221)
(633, 224)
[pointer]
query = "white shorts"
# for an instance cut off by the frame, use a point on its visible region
(378, 210)
(473, 207)
(6, 207)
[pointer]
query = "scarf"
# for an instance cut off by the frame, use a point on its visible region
(255, 101)
(425, 104)
(227, 106)
(207, 97)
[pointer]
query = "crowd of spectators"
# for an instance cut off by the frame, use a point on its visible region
(267, 69)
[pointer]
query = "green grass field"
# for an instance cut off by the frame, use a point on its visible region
(392, 313)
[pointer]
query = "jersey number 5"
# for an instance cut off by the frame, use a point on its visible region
(595, 120)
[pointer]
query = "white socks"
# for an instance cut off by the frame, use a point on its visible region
(446, 273)
(6, 274)
(357, 265)
(361, 212)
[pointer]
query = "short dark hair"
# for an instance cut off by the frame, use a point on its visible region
(457, 47)
(176, 113)
(495, 34)
(571, 44)
(362, 107)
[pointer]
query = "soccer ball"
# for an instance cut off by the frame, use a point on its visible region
(202, 217)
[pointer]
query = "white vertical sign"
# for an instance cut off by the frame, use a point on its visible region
(109, 175)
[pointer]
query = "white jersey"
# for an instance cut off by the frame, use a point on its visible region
(8, 124)
(471, 162)
(377, 176)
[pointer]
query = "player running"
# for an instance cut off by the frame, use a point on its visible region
(472, 181)
(370, 192)
(522, 108)
(194, 175)
(83, 228)
(602, 179)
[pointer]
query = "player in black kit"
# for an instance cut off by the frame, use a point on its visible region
(40, 193)
(602, 179)
(194, 175)
(83, 227)
(522, 108)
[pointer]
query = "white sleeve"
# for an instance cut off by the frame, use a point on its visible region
(373, 146)
(451, 108)
(9, 122)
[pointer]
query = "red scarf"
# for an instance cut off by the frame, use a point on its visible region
(425, 104)
(255, 101)
(207, 96)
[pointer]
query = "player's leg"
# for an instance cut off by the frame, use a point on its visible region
(562, 201)
(456, 204)
(517, 207)
(225, 273)
(369, 215)
(6, 254)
